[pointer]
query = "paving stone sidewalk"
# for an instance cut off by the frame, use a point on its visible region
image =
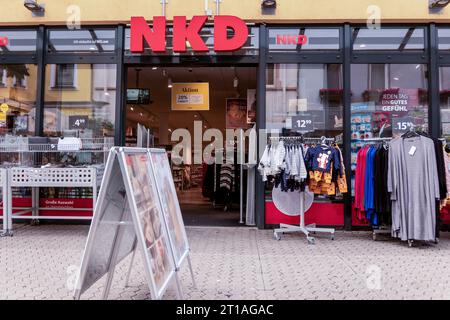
(39, 262)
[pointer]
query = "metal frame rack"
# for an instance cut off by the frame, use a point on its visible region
(5, 206)
(18, 176)
(305, 229)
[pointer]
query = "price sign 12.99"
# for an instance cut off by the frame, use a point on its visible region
(302, 123)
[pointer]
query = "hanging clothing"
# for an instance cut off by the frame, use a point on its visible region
(381, 196)
(360, 175)
(369, 188)
(227, 176)
(414, 186)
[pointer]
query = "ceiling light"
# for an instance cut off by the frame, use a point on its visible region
(396, 79)
(362, 45)
(268, 4)
(154, 68)
(37, 10)
(438, 3)
(235, 82)
(169, 83)
(141, 114)
(131, 108)
(418, 66)
(106, 93)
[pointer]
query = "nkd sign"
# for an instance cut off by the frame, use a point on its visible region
(183, 31)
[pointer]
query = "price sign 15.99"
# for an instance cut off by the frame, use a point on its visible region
(401, 125)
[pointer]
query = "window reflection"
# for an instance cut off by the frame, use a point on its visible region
(17, 99)
(80, 100)
(387, 99)
(398, 39)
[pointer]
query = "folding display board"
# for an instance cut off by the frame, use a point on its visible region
(170, 205)
(129, 216)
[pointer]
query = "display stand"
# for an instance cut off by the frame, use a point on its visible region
(133, 214)
(50, 177)
(27, 168)
(305, 229)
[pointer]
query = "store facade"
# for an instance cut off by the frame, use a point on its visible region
(349, 81)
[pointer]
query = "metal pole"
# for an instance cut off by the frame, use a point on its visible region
(192, 271)
(127, 278)
(164, 2)
(302, 209)
(218, 6)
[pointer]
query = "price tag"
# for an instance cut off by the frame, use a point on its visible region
(78, 122)
(303, 123)
(401, 125)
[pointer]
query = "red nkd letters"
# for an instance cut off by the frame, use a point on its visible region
(182, 32)
(292, 39)
(3, 41)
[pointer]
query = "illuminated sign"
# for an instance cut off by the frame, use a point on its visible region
(183, 32)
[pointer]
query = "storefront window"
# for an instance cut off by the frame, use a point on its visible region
(387, 100)
(444, 38)
(80, 100)
(395, 39)
(444, 74)
(309, 94)
(83, 41)
(303, 39)
(22, 41)
(17, 99)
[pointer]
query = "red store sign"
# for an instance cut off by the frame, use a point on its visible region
(3, 41)
(182, 32)
(292, 39)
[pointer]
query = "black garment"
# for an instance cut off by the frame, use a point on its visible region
(382, 203)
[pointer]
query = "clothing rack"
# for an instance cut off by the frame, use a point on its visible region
(305, 229)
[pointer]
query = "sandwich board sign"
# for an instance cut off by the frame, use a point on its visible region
(129, 217)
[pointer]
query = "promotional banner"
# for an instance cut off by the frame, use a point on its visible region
(190, 96)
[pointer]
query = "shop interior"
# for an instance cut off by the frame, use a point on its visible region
(205, 199)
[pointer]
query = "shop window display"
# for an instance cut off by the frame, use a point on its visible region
(388, 100)
(306, 100)
(80, 100)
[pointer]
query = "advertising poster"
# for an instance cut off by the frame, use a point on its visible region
(170, 204)
(190, 96)
(146, 198)
(251, 106)
(236, 113)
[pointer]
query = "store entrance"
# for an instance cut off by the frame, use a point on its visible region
(164, 102)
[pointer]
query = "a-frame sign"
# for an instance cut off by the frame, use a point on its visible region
(133, 215)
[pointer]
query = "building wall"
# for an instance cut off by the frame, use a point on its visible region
(305, 11)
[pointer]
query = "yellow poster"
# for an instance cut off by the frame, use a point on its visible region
(190, 96)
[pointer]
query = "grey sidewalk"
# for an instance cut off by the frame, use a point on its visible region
(238, 263)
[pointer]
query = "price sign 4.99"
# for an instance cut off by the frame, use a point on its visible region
(78, 122)
(303, 123)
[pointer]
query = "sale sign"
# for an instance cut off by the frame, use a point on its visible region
(190, 96)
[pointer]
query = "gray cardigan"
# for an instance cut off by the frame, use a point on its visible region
(414, 187)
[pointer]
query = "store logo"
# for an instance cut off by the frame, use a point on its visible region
(3, 41)
(183, 32)
(292, 39)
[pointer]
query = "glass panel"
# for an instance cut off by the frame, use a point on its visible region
(299, 39)
(311, 92)
(386, 100)
(17, 99)
(251, 47)
(17, 41)
(398, 39)
(444, 38)
(91, 40)
(444, 73)
(80, 100)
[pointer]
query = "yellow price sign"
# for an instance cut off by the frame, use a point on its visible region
(4, 107)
